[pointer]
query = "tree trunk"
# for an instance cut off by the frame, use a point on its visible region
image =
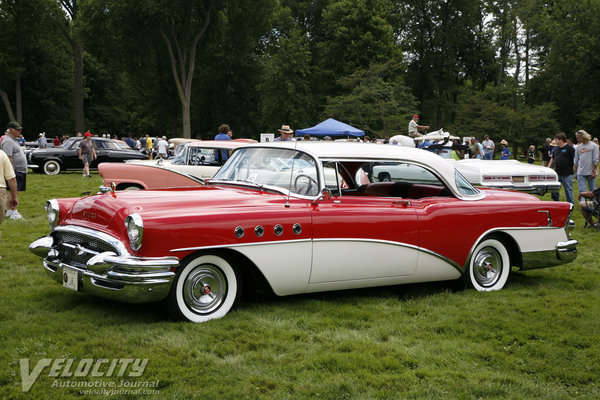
(7, 105)
(78, 87)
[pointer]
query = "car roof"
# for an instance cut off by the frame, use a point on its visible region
(361, 151)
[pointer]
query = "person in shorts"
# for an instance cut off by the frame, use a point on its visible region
(7, 199)
(10, 146)
(87, 153)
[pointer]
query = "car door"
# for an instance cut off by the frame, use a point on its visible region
(360, 238)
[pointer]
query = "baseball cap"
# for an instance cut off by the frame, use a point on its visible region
(14, 125)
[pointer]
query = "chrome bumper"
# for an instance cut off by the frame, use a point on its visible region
(533, 189)
(119, 277)
(564, 252)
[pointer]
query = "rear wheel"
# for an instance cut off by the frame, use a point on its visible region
(51, 167)
(130, 187)
(205, 288)
(489, 266)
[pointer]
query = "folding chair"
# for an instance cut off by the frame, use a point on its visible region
(592, 207)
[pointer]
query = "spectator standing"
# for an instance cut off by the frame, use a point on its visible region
(505, 155)
(148, 146)
(86, 153)
(286, 134)
(129, 141)
(42, 142)
(414, 128)
(21, 140)
(531, 154)
(56, 141)
(586, 161)
(16, 156)
(546, 152)
(224, 134)
(476, 148)
(563, 158)
(306, 138)
(488, 148)
(162, 147)
(9, 182)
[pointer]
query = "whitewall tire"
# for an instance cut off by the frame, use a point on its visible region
(51, 167)
(205, 288)
(489, 266)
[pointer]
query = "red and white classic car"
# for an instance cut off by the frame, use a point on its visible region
(298, 217)
(191, 165)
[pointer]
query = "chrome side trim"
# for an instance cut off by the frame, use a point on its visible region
(233, 245)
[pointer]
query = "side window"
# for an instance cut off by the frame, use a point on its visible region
(398, 179)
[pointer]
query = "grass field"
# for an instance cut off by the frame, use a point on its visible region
(537, 338)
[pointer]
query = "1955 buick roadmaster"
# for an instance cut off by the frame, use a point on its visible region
(298, 217)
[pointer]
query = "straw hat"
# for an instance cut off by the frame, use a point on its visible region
(285, 129)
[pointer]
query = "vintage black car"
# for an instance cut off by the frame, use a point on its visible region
(66, 156)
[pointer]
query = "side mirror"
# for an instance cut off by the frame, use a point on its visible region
(324, 196)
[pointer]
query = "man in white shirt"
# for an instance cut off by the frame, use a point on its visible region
(163, 146)
(488, 148)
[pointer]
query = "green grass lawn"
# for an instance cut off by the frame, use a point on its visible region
(537, 338)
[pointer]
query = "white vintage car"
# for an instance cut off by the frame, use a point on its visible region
(499, 174)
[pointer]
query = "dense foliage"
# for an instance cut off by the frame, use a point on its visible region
(519, 70)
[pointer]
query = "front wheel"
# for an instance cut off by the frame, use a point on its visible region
(51, 167)
(205, 288)
(489, 266)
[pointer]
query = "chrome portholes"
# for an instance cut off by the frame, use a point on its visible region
(259, 231)
(297, 228)
(278, 230)
(239, 232)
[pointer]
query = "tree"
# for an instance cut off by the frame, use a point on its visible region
(375, 99)
(70, 29)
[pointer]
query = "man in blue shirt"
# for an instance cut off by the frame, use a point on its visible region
(225, 133)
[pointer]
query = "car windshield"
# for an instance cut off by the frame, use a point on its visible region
(285, 169)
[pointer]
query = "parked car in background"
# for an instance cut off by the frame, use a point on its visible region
(273, 217)
(500, 174)
(66, 156)
(194, 162)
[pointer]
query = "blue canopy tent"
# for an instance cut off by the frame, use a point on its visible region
(331, 127)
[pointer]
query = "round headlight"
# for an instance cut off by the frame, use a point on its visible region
(52, 212)
(135, 230)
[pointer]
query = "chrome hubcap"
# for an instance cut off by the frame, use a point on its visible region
(205, 289)
(487, 267)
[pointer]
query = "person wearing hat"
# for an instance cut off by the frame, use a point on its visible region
(414, 128)
(87, 153)
(16, 156)
(505, 155)
(286, 134)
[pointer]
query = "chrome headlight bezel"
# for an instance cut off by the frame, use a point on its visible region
(52, 213)
(135, 230)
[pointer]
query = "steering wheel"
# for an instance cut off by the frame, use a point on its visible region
(305, 188)
(196, 160)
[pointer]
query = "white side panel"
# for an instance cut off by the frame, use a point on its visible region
(431, 269)
(285, 265)
(346, 260)
(537, 239)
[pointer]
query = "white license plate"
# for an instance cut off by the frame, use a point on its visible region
(70, 278)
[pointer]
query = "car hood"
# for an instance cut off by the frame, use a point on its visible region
(108, 211)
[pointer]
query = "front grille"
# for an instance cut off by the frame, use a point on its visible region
(65, 243)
